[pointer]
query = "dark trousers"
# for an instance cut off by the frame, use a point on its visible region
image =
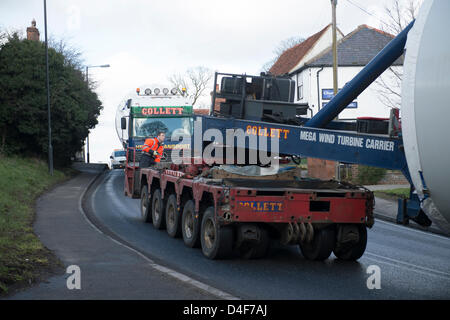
(146, 160)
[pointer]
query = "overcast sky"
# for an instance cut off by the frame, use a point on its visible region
(145, 41)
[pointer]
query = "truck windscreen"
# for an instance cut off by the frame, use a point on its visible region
(119, 154)
(149, 127)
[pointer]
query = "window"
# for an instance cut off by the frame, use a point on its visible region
(119, 153)
(299, 87)
(300, 92)
(149, 127)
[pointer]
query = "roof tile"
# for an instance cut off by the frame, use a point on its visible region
(291, 57)
(357, 48)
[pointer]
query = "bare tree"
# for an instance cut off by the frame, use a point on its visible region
(397, 17)
(389, 87)
(194, 80)
(72, 55)
(280, 49)
(7, 34)
(3, 37)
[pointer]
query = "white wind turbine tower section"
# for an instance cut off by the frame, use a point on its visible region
(426, 109)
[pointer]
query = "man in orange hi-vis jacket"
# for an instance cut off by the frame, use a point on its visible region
(152, 150)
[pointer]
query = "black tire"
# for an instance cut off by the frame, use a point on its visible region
(173, 219)
(158, 212)
(256, 250)
(217, 242)
(190, 226)
(321, 246)
(145, 205)
(355, 251)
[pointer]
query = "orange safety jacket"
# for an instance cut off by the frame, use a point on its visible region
(152, 144)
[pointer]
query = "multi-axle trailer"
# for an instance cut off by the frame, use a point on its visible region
(241, 214)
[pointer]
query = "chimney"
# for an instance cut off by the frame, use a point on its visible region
(33, 32)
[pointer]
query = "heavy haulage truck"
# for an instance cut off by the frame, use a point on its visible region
(226, 209)
(236, 209)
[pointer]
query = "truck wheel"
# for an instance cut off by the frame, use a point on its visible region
(321, 246)
(158, 215)
(217, 242)
(354, 251)
(190, 226)
(145, 210)
(256, 250)
(173, 225)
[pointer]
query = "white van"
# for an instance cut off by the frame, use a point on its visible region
(118, 158)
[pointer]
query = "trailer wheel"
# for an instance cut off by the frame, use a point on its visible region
(158, 212)
(173, 225)
(145, 210)
(354, 251)
(259, 250)
(190, 226)
(321, 246)
(217, 242)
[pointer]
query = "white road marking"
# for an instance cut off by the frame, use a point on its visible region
(413, 230)
(398, 263)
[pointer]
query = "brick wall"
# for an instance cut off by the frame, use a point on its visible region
(217, 102)
(321, 169)
(391, 176)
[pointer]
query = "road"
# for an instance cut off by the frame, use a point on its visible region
(413, 264)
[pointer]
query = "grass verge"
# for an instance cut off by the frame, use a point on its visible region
(393, 193)
(23, 258)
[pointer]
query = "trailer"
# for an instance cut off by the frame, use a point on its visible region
(236, 214)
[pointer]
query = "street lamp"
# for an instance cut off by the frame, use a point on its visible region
(50, 147)
(87, 81)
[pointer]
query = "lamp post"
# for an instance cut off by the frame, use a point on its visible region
(50, 147)
(87, 81)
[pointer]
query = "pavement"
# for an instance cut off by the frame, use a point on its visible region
(386, 209)
(107, 268)
(380, 187)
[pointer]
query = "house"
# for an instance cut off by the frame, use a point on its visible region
(295, 57)
(310, 65)
(201, 112)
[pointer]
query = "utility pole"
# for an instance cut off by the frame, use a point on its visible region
(87, 138)
(335, 76)
(50, 148)
(335, 66)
